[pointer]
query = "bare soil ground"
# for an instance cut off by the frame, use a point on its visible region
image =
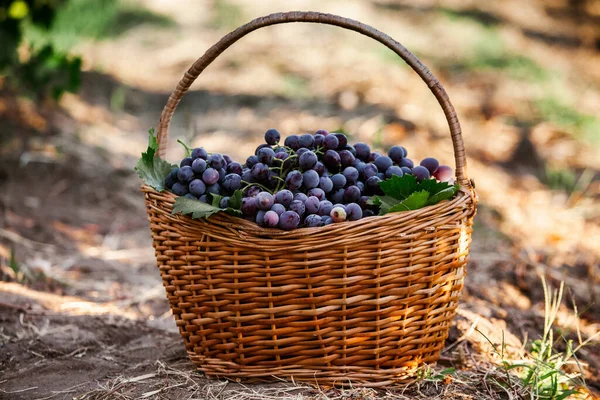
(82, 308)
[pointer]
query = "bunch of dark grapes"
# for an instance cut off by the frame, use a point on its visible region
(308, 180)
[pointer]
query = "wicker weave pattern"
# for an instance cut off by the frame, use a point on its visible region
(367, 300)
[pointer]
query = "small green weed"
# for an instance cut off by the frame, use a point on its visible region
(586, 126)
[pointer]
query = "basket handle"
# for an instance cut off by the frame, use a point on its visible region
(316, 17)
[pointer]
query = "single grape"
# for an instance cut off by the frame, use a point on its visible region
(431, 164)
(383, 163)
(271, 219)
(338, 214)
(289, 220)
(278, 208)
(373, 156)
(312, 205)
(233, 168)
(359, 165)
(393, 170)
(210, 176)
(197, 187)
(373, 183)
(353, 212)
(360, 185)
(191, 196)
(227, 159)
(421, 173)
(318, 140)
(265, 155)
(222, 174)
(186, 162)
(381, 175)
(407, 162)
(251, 161)
(325, 184)
(363, 202)
(337, 195)
(368, 213)
(307, 160)
(331, 142)
(204, 198)
(247, 175)
(173, 173)
(307, 140)
(216, 161)
(320, 168)
(280, 156)
(284, 197)
(199, 152)
(292, 142)
(346, 158)
(249, 206)
(351, 174)
(180, 189)
(293, 180)
(186, 174)
(362, 151)
(310, 179)
(261, 146)
(199, 166)
(260, 171)
(264, 201)
(325, 207)
(298, 207)
(224, 202)
(312, 221)
(322, 132)
(328, 221)
(351, 194)
(252, 191)
(406, 171)
(351, 149)
(272, 136)
(396, 153)
(214, 188)
(316, 192)
(260, 217)
(300, 196)
(169, 181)
(232, 182)
(369, 170)
(339, 181)
(342, 140)
(444, 173)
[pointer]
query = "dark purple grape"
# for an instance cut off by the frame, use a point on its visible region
(180, 189)
(325, 207)
(431, 164)
(298, 207)
(222, 174)
(338, 181)
(406, 170)
(260, 217)
(233, 168)
(301, 151)
(249, 206)
(331, 142)
(363, 202)
(251, 161)
(284, 197)
(260, 147)
(224, 202)
(214, 188)
(318, 140)
(289, 220)
(227, 159)
(328, 221)
(273, 180)
(320, 168)
(310, 179)
(278, 208)
(191, 196)
(351, 149)
(173, 173)
(312, 205)
(368, 213)
(272, 136)
(271, 219)
(264, 201)
(318, 193)
(216, 161)
(199, 166)
(337, 195)
(346, 158)
(363, 151)
(293, 180)
(210, 176)
(342, 140)
(247, 175)
(292, 142)
(353, 212)
(372, 183)
(281, 155)
(421, 173)
(351, 194)
(351, 174)
(373, 156)
(252, 191)
(444, 173)
(307, 160)
(407, 162)
(186, 162)
(199, 152)
(359, 165)
(232, 182)
(312, 221)
(300, 196)
(265, 155)
(186, 175)
(322, 132)
(393, 170)
(197, 187)
(169, 181)
(369, 170)
(307, 140)
(204, 198)
(383, 163)
(338, 214)
(381, 175)
(260, 172)
(360, 185)
(325, 184)
(397, 153)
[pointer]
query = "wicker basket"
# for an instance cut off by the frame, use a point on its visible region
(363, 302)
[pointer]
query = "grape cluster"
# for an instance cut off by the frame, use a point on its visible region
(308, 180)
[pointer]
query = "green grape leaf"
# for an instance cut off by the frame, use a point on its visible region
(199, 209)
(152, 169)
(415, 201)
(444, 194)
(235, 201)
(399, 187)
(384, 202)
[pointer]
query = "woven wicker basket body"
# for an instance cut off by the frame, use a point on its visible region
(364, 302)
